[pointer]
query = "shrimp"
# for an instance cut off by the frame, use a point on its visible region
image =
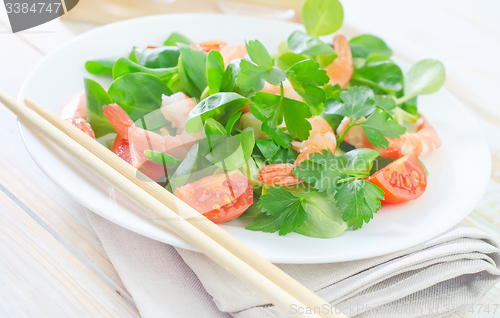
(321, 137)
(288, 90)
(140, 140)
(75, 113)
(419, 143)
(176, 108)
(341, 70)
(208, 46)
(232, 52)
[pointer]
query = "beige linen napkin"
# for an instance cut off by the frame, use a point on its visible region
(439, 276)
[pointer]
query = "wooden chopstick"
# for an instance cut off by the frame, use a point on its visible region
(246, 254)
(247, 274)
(240, 250)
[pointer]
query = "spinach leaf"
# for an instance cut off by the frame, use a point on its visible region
(322, 17)
(329, 112)
(233, 152)
(366, 44)
(161, 158)
(301, 43)
(125, 66)
(215, 71)
(138, 93)
(232, 121)
(192, 70)
(381, 73)
(100, 66)
(161, 57)
(175, 38)
(425, 77)
(96, 97)
(220, 106)
(229, 77)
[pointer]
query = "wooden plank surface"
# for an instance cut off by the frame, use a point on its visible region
(462, 34)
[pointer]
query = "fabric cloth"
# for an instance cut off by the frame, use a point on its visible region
(434, 278)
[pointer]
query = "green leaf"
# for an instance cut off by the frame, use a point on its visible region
(358, 162)
(380, 125)
(324, 219)
(425, 77)
(283, 212)
(366, 44)
(161, 57)
(192, 69)
(253, 76)
(286, 60)
(357, 102)
(232, 152)
(96, 97)
(331, 105)
(100, 66)
(161, 158)
(273, 108)
(229, 77)
(125, 66)
(220, 106)
(215, 71)
(307, 72)
(305, 77)
(325, 171)
(274, 153)
(175, 38)
(258, 54)
(385, 102)
(138, 93)
(359, 200)
(381, 73)
(232, 121)
(300, 43)
(322, 17)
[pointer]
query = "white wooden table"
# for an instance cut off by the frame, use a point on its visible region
(51, 261)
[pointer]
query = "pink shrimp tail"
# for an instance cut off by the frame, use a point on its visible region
(119, 119)
(340, 70)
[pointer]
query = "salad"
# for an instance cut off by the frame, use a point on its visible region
(309, 140)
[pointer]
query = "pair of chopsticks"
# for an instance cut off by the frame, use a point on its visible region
(278, 287)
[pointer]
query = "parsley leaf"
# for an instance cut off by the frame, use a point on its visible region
(305, 77)
(271, 109)
(359, 199)
(343, 175)
(325, 171)
(273, 153)
(387, 103)
(381, 124)
(284, 212)
(357, 102)
(253, 76)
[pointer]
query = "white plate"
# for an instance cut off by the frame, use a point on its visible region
(459, 170)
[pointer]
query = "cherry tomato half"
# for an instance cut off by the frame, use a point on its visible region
(220, 197)
(121, 148)
(279, 174)
(402, 180)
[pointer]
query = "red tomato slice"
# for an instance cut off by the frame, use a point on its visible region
(278, 174)
(220, 198)
(402, 180)
(121, 148)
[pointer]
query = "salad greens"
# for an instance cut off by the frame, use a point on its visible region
(245, 119)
